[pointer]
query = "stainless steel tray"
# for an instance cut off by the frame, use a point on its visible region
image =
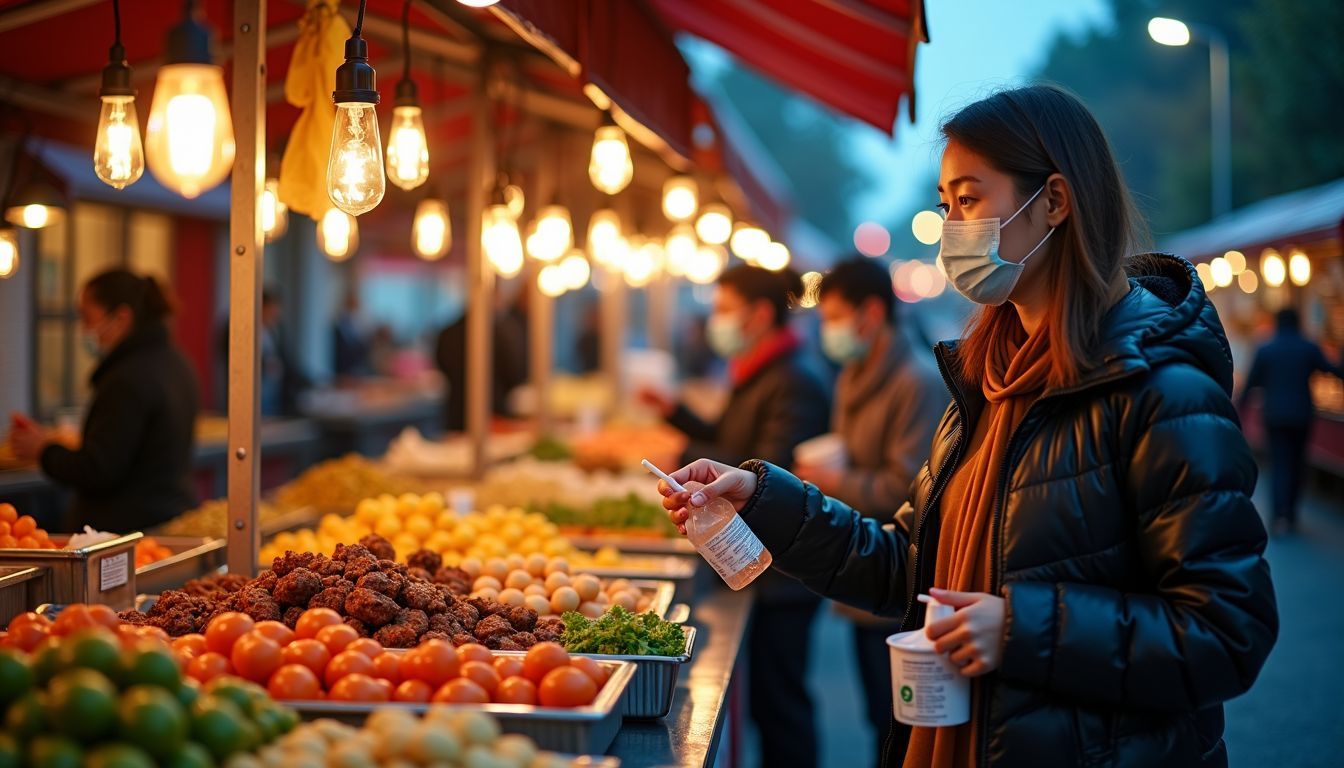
(673, 567)
(100, 573)
(21, 589)
(580, 730)
(192, 558)
(655, 680)
(650, 545)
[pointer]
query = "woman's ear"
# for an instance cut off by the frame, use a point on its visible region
(1058, 199)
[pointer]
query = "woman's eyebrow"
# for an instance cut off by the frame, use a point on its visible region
(956, 181)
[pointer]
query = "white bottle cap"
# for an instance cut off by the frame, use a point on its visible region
(933, 611)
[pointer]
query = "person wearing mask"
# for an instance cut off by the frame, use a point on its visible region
(1282, 370)
(1086, 507)
(132, 469)
(776, 402)
(888, 398)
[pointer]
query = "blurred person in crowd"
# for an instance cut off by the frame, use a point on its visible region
(383, 350)
(351, 341)
(589, 344)
(509, 365)
(1086, 506)
(1282, 370)
(776, 402)
(888, 399)
(132, 467)
(282, 381)
(694, 356)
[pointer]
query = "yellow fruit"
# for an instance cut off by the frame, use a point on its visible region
(368, 511)
(388, 527)
(405, 544)
(441, 542)
(445, 521)
(419, 526)
(431, 503)
(608, 556)
(518, 579)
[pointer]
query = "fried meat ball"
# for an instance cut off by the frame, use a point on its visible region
(426, 559)
(373, 608)
(297, 587)
(380, 547)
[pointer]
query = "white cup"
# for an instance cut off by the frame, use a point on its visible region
(823, 451)
(927, 689)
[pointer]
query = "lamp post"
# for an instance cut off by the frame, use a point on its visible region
(1177, 33)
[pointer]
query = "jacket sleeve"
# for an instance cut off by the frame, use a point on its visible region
(691, 425)
(910, 432)
(832, 549)
(113, 429)
(1197, 628)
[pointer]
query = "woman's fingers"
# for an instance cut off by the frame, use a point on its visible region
(965, 654)
(952, 640)
(955, 599)
(941, 627)
(975, 669)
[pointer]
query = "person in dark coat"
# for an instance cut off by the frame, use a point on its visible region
(777, 402)
(132, 469)
(1085, 508)
(509, 364)
(1282, 370)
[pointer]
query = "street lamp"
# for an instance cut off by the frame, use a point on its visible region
(1177, 33)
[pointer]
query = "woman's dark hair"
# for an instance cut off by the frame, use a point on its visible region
(148, 302)
(1030, 133)
(858, 279)
(781, 289)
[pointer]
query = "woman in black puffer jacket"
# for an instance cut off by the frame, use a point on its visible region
(1087, 498)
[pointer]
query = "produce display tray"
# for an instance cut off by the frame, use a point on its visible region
(663, 591)
(192, 558)
(655, 681)
(671, 567)
(21, 589)
(643, 545)
(99, 573)
(580, 730)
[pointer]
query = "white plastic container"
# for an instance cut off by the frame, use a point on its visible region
(927, 689)
(722, 537)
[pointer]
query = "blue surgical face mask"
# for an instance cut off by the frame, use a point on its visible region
(725, 336)
(89, 338)
(969, 253)
(841, 342)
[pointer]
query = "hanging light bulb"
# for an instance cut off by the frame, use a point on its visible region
(604, 236)
(715, 224)
(1272, 268)
(1299, 268)
(706, 265)
(355, 181)
(774, 257)
(9, 251)
(551, 281)
(274, 214)
(38, 205)
(610, 167)
(643, 264)
(748, 241)
(189, 138)
(500, 239)
(681, 198)
(432, 232)
(575, 270)
(554, 234)
(407, 147)
(477, 3)
(680, 248)
(338, 234)
(118, 155)
(514, 199)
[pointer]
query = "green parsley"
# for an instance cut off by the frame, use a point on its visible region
(621, 633)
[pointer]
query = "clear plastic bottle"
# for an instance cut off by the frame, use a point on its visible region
(723, 538)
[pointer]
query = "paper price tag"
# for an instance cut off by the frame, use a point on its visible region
(114, 571)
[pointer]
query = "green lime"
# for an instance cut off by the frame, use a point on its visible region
(27, 716)
(49, 751)
(189, 692)
(95, 649)
(150, 664)
(118, 756)
(270, 723)
(83, 704)
(221, 727)
(10, 754)
(16, 677)
(244, 695)
(46, 660)
(152, 719)
(289, 719)
(191, 755)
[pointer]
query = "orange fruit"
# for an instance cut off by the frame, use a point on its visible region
(461, 691)
(482, 674)
(105, 616)
(516, 690)
(435, 662)
(347, 663)
(255, 657)
(30, 617)
(73, 618)
(308, 652)
(8, 542)
(8, 513)
(25, 636)
(208, 666)
(367, 646)
(23, 526)
(294, 681)
(337, 636)
(27, 542)
(193, 643)
(414, 691)
(357, 687)
(314, 619)
(508, 666)
(542, 658)
(5, 528)
(591, 668)
(387, 686)
(566, 687)
(474, 652)
(387, 666)
(276, 631)
(225, 629)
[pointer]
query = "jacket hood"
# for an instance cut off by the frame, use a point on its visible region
(1166, 318)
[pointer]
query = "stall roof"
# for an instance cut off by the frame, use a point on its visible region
(857, 56)
(1303, 216)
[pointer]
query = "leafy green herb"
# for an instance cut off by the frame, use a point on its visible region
(627, 513)
(549, 448)
(622, 633)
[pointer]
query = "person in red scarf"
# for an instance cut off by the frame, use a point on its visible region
(777, 402)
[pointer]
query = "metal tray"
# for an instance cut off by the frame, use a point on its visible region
(655, 681)
(670, 567)
(580, 730)
(643, 545)
(192, 558)
(21, 589)
(100, 573)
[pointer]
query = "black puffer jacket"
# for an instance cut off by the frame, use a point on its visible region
(1123, 539)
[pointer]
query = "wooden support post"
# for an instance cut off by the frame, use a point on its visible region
(480, 280)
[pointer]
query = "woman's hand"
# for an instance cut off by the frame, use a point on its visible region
(721, 482)
(26, 438)
(973, 636)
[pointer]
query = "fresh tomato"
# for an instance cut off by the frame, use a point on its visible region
(435, 662)
(294, 681)
(347, 663)
(461, 691)
(474, 652)
(225, 629)
(208, 666)
(337, 636)
(541, 659)
(417, 691)
(358, 687)
(516, 690)
(314, 619)
(255, 657)
(566, 687)
(309, 652)
(276, 631)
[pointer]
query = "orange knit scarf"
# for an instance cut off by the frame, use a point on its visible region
(1015, 375)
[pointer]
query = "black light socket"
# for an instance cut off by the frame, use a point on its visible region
(188, 42)
(408, 95)
(355, 79)
(117, 74)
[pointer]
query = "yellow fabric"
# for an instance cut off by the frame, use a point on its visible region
(1015, 375)
(319, 50)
